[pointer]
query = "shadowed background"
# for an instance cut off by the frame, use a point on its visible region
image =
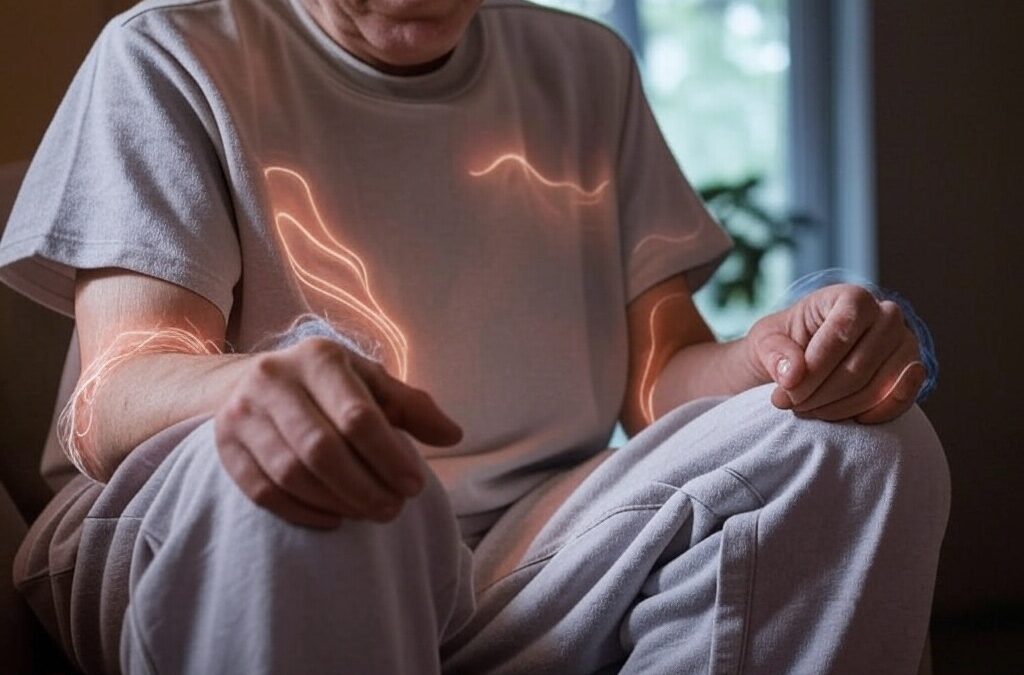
(948, 145)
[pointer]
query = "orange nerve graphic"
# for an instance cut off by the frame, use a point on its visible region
(581, 194)
(307, 243)
(76, 419)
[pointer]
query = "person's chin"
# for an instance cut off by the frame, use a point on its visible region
(413, 43)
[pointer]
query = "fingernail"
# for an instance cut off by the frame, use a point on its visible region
(784, 366)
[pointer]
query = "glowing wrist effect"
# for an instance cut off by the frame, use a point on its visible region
(76, 420)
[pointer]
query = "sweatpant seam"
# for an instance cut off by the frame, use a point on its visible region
(751, 575)
(143, 645)
(43, 576)
(695, 499)
(131, 609)
(746, 482)
(751, 572)
(448, 588)
(551, 554)
(747, 546)
(151, 537)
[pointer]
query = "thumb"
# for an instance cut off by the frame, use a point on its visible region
(783, 359)
(409, 408)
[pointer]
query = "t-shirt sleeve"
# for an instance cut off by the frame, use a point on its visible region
(664, 227)
(127, 176)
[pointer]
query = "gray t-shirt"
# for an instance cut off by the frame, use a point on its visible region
(485, 225)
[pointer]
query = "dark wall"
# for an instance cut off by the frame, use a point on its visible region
(42, 44)
(950, 205)
(950, 146)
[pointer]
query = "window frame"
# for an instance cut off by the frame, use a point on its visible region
(830, 137)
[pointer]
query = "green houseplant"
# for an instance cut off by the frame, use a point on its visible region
(756, 230)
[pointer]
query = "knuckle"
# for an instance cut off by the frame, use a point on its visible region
(236, 409)
(322, 350)
(890, 310)
(855, 372)
(357, 417)
(845, 323)
(893, 317)
(286, 471)
(266, 368)
(316, 447)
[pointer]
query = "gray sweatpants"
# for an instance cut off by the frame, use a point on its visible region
(728, 537)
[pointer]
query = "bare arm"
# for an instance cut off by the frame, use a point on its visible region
(674, 358)
(311, 432)
(836, 354)
(150, 391)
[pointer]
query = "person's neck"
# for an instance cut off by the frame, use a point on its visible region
(402, 71)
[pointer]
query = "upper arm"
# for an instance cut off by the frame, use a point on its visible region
(110, 302)
(661, 321)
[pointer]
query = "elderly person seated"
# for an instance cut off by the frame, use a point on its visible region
(476, 205)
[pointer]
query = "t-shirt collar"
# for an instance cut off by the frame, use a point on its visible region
(445, 81)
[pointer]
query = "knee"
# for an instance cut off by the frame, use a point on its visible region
(904, 455)
(900, 460)
(198, 498)
(912, 442)
(424, 521)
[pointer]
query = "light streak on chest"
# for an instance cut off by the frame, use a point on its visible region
(579, 193)
(320, 247)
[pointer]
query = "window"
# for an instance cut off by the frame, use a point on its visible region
(716, 73)
(773, 89)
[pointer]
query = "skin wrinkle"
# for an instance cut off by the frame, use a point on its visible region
(392, 36)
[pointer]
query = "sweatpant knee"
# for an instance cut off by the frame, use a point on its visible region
(902, 459)
(210, 562)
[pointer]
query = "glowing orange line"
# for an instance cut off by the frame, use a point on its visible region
(125, 346)
(376, 314)
(647, 400)
(369, 310)
(588, 196)
(667, 239)
(364, 277)
(393, 336)
(895, 384)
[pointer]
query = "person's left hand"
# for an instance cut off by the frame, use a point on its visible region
(839, 354)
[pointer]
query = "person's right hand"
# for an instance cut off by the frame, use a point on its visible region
(313, 433)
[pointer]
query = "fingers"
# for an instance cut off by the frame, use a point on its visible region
(333, 458)
(306, 435)
(407, 407)
(283, 467)
(852, 313)
(347, 403)
(889, 393)
(900, 397)
(782, 358)
(259, 488)
(867, 357)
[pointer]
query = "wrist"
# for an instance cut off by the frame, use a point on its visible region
(755, 369)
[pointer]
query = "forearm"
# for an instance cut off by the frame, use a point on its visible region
(705, 369)
(142, 396)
